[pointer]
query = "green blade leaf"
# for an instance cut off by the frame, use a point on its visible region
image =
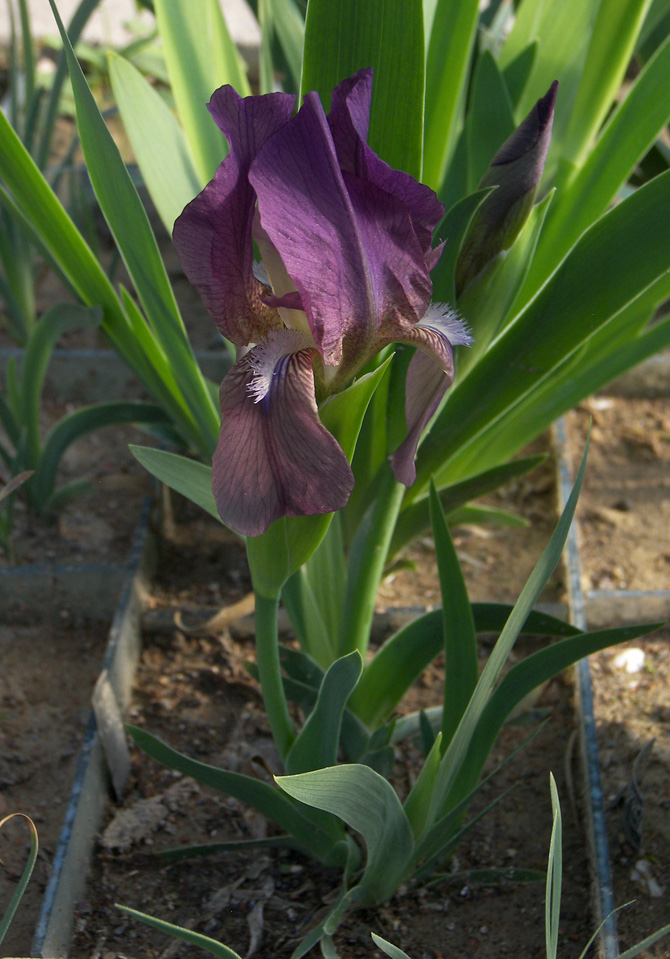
(629, 134)
(488, 302)
(395, 667)
(132, 232)
(388, 947)
(75, 29)
(290, 28)
(440, 836)
(563, 32)
(458, 627)
(459, 747)
(325, 573)
(236, 845)
(77, 424)
(44, 337)
(403, 657)
(454, 228)
(157, 139)
(317, 744)
(531, 672)
(607, 354)
(200, 57)
(187, 477)
(489, 121)
(368, 804)
(342, 36)
(417, 804)
(447, 66)
(552, 903)
(517, 72)
(491, 618)
(615, 31)
(300, 822)
(178, 932)
(645, 944)
(612, 265)
(42, 209)
(414, 519)
(25, 875)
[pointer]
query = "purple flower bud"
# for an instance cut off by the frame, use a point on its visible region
(515, 172)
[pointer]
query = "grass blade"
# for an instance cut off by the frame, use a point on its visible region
(200, 57)
(157, 139)
(458, 627)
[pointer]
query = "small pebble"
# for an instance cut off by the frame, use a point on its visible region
(632, 660)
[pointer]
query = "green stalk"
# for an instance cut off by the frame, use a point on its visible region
(269, 671)
(367, 559)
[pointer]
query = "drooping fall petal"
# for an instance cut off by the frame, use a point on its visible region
(430, 374)
(274, 458)
(515, 171)
(213, 234)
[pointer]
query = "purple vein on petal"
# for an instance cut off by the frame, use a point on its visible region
(274, 457)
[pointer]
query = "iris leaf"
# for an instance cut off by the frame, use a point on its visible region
(187, 477)
(301, 822)
(342, 36)
(368, 804)
(458, 627)
(179, 932)
(628, 135)
(625, 252)
(447, 68)
(200, 57)
(157, 139)
(317, 743)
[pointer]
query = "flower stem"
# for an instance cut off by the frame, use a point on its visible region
(269, 671)
(367, 559)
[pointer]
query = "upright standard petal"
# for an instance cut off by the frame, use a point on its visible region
(348, 246)
(213, 234)
(430, 374)
(274, 458)
(349, 120)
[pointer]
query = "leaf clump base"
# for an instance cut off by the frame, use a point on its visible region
(194, 693)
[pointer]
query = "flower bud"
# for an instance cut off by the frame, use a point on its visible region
(515, 172)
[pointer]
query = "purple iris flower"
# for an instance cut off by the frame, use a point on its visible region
(346, 248)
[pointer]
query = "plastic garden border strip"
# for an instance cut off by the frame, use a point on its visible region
(91, 784)
(90, 375)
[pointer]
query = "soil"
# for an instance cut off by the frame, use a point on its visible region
(624, 508)
(47, 677)
(96, 526)
(633, 711)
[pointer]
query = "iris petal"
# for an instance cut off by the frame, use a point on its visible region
(348, 245)
(213, 234)
(274, 458)
(348, 121)
(430, 374)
